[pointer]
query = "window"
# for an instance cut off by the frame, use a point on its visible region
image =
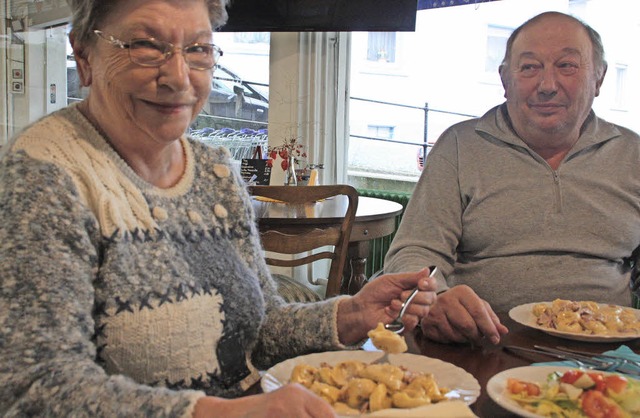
(382, 132)
(496, 44)
(620, 100)
(239, 97)
(449, 73)
(382, 47)
(237, 112)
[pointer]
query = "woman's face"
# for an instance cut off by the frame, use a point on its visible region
(154, 104)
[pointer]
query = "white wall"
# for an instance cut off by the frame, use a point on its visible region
(55, 82)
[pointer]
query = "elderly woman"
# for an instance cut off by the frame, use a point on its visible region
(131, 269)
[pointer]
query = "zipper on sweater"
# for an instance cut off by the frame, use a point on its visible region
(557, 191)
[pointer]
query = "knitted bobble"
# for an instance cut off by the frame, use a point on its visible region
(221, 171)
(194, 216)
(220, 211)
(160, 214)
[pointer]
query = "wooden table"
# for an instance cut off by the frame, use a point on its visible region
(486, 360)
(375, 218)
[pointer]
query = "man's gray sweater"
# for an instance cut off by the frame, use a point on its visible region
(492, 214)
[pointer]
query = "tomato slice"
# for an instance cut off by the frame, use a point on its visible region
(571, 376)
(616, 383)
(516, 386)
(533, 389)
(596, 405)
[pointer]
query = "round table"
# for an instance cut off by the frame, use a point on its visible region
(375, 218)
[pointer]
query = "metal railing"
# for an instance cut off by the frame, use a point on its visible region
(425, 110)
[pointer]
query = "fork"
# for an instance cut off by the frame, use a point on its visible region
(586, 359)
(397, 325)
(601, 355)
(580, 361)
(592, 361)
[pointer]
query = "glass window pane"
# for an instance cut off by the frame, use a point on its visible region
(237, 112)
(448, 72)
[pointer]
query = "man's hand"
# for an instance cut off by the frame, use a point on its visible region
(459, 315)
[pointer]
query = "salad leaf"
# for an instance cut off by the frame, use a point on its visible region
(560, 397)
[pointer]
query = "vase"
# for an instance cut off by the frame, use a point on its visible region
(290, 178)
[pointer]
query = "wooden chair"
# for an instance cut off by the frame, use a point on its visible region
(301, 246)
(635, 279)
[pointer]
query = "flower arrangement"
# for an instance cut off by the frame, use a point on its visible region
(289, 148)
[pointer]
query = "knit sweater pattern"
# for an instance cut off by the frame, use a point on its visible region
(122, 299)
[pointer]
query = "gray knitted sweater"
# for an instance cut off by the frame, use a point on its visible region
(493, 215)
(121, 299)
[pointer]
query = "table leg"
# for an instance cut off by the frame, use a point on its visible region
(354, 270)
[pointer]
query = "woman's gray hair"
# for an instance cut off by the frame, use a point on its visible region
(87, 15)
(596, 42)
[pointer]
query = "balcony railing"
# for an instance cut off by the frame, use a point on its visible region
(425, 115)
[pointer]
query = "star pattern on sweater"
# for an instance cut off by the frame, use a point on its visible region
(123, 305)
(165, 298)
(144, 302)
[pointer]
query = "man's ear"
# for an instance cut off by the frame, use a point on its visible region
(502, 70)
(601, 80)
(81, 55)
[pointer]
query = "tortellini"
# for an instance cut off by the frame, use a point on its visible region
(586, 317)
(355, 387)
(387, 341)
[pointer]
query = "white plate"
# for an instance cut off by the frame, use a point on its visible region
(536, 374)
(463, 386)
(524, 315)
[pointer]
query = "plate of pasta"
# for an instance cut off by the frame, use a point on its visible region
(333, 376)
(582, 321)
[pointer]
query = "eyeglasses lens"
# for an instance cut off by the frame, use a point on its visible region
(151, 52)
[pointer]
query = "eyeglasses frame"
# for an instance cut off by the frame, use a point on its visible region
(170, 51)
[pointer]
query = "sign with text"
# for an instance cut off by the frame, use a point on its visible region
(255, 171)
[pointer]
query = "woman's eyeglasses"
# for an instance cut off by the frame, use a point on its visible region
(150, 52)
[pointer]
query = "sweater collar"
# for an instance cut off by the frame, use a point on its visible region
(95, 137)
(496, 123)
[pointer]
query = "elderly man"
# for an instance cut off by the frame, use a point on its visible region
(537, 199)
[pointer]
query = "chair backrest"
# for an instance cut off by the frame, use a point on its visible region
(635, 279)
(299, 242)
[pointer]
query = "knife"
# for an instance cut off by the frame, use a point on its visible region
(516, 349)
(580, 360)
(601, 355)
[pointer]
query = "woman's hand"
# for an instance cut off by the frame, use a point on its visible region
(290, 401)
(381, 299)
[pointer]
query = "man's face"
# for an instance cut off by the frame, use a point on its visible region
(551, 81)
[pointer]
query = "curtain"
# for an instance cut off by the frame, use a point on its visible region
(322, 120)
(308, 87)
